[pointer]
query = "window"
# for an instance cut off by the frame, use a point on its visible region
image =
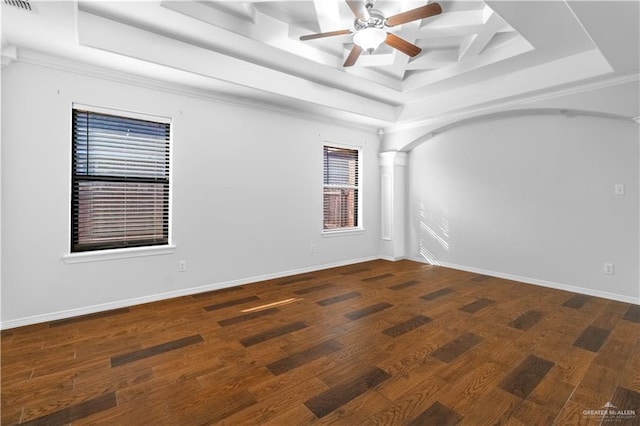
(341, 188)
(120, 182)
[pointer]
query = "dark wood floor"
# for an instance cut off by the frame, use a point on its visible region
(374, 343)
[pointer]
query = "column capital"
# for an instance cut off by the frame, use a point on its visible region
(393, 158)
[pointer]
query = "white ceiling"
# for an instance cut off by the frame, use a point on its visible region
(477, 56)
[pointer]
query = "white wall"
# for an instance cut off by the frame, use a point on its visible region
(531, 198)
(247, 196)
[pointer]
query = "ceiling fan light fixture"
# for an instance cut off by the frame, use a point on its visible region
(369, 38)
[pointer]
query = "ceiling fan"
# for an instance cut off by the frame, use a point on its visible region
(369, 28)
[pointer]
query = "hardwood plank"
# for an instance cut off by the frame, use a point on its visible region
(552, 393)
(272, 333)
(465, 392)
(479, 304)
(247, 317)
(596, 387)
(411, 394)
(609, 317)
(592, 338)
(625, 400)
(494, 408)
(300, 358)
(126, 358)
(480, 278)
(524, 379)
(355, 271)
(404, 285)
(573, 364)
(576, 301)
(299, 416)
(271, 408)
(217, 292)
(573, 414)
(369, 310)
(526, 320)
(530, 413)
(632, 314)
(206, 408)
(407, 326)
(377, 278)
(438, 293)
(339, 298)
(224, 378)
(76, 412)
(616, 350)
(314, 288)
(233, 302)
(357, 410)
(88, 317)
(456, 347)
(437, 414)
(336, 396)
(296, 279)
(281, 383)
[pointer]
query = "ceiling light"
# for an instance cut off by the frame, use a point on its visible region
(369, 38)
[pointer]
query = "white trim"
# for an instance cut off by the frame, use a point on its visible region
(121, 253)
(101, 255)
(122, 113)
(36, 319)
(341, 232)
(38, 58)
(359, 188)
(53, 316)
(535, 281)
(506, 105)
(392, 258)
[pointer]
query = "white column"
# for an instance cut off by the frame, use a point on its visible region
(392, 204)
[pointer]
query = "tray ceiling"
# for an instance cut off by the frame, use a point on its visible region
(475, 55)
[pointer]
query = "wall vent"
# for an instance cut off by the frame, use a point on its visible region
(22, 4)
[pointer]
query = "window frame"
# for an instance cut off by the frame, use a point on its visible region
(105, 253)
(359, 228)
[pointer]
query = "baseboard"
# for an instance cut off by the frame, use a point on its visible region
(391, 258)
(542, 283)
(86, 310)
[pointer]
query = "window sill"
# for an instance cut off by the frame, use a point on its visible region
(342, 232)
(101, 255)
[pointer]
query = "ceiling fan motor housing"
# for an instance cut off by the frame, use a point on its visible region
(376, 20)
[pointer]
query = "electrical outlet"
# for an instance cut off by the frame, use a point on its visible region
(618, 189)
(608, 268)
(312, 248)
(182, 266)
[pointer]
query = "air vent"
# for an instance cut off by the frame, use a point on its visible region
(22, 4)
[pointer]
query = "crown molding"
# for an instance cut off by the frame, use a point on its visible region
(46, 60)
(510, 104)
(568, 113)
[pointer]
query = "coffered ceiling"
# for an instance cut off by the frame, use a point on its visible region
(476, 55)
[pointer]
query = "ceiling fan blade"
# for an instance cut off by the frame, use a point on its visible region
(321, 35)
(414, 14)
(353, 56)
(359, 9)
(402, 45)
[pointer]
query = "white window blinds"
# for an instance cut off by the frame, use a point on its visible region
(341, 188)
(120, 182)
